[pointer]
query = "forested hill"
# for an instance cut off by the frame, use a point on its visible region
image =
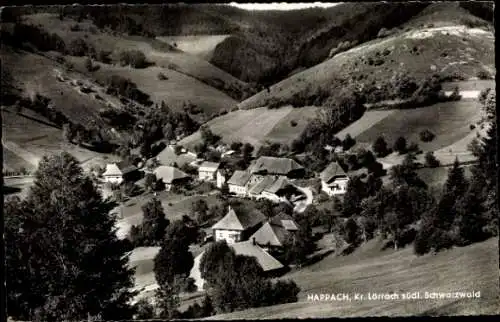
(264, 47)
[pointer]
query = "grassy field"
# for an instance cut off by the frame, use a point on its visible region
(369, 119)
(472, 268)
(177, 90)
(27, 137)
(449, 121)
(200, 45)
(256, 126)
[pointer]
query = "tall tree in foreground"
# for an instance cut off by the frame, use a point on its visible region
(64, 261)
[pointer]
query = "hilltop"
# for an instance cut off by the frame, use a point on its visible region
(444, 39)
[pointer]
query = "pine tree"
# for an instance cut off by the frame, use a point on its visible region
(64, 260)
(154, 223)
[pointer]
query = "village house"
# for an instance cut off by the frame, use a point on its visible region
(208, 171)
(238, 224)
(238, 183)
(270, 266)
(265, 165)
(275, 233)
(119, 172)
(334, 180)
(171, 176)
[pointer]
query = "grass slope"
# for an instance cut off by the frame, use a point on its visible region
(256, 126)
(472, 268)
(202, 46)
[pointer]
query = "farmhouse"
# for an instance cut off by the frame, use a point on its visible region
(334, 180)
(277, 166)
(270, 265)
(171, 176)
(207, 171)
(238, 183)
(238, 224)
(119, 172)
(279, 190)
(275, 233)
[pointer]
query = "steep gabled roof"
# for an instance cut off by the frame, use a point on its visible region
(285, 221)
(280, 183)
(112, 170)
(333, 170)
(261, 185)
(274, 165)
(265, 260)
(240, 218)
(126, 167)
(169, 174)
(209, 166)
(239, 178)
(270, 234)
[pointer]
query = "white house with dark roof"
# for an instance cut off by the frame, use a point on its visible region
(208, 171)
(238, 224)
(171, 176)
(238, 183)
(118, 172)
(334, 180)
(265, 165)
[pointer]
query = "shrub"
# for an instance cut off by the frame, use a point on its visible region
(348, 142)
(400, 145)
(78, 47)
(134, 58)
(426, 136)
(430, 160)
(482, 74)
(162, 76)
(103, 56)
(293, 123)
(380, 147)
(455, 95)
(472, 127)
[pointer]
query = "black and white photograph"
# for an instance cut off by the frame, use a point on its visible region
(226, 161)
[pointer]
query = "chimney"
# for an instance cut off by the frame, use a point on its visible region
(253, 241)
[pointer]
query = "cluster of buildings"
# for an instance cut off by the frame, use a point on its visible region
(267, 177)
(251, 233)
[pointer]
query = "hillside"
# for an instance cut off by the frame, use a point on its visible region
(471, 268)
(256, 126)
(454, 46)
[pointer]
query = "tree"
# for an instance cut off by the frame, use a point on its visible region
(144, 309)
(400, 145)
(68, 133)
(154, 223)
(426, 136)
(199, 208)
(355, 192)
(146, 149)
(150, 181)
(88, 64)
(208, 136)
(380, 147)
(168, 132)
(348, 142)
(174, 260)
(299, 245)
(247, 150)
(236, 146)
(63, 258)
(351, 232)
(431, 161)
